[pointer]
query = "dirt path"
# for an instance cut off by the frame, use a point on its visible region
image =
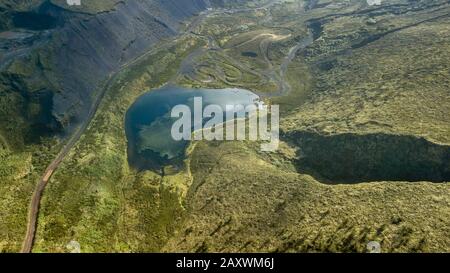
(43, 182)
(37, 195)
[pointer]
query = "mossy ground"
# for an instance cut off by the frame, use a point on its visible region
(230, 196)
(245, 201)
(95, 198)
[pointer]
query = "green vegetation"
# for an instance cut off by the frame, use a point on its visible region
(374, 82)
(95, 198)
(24, 154)
(19, 171)
(245, 201)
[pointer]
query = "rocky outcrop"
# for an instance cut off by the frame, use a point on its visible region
(91, 47)
(353, 158)
(54, 54)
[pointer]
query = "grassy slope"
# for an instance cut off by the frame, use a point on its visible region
(19, 171)
(242, 200)
(398, 84)
(95, 198)
(23, 157)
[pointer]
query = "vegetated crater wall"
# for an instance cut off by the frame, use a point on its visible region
(81, 50)
(352, 158)
(93, 46)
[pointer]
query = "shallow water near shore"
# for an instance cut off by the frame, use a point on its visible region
(148, 123)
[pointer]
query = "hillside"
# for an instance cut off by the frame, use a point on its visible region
(365, 143)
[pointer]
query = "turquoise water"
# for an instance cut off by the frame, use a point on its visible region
(148, 123)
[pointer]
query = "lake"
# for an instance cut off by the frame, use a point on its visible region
(148, 122)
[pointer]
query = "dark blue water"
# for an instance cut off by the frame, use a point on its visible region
(34, 21)
(148, 123)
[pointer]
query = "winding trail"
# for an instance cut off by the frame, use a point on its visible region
(284, 87)
(37, 195)
(273, 73)
(33, 214)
